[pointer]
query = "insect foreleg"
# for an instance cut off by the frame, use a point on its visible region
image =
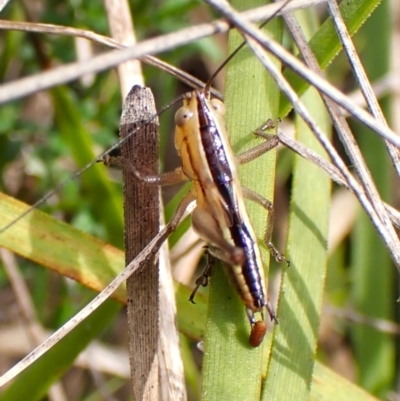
(267, 205)
(163, 179)
(271, 142)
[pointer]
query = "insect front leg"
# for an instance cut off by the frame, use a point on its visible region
(267, 205)
(271, 142)
(163, 179)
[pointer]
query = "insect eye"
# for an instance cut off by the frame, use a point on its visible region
(218, 106)
(182, 116)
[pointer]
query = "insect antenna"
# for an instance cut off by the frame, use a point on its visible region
(207, 88)
(75, 175)
(100, 158)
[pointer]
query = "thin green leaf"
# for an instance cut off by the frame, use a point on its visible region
(329, 386)
(232, 369)
(295, 339)
(59, 246)
(302, 287)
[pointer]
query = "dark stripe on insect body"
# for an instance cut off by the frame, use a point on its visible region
(249, 279)
(208, 160)
(195, 166)
(213, 145)
(218, 151)
(196, 151)
(204, 186)
(253, 292)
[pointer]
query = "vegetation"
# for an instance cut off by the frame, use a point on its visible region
(336, 305)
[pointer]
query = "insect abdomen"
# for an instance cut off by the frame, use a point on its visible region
(248, 278)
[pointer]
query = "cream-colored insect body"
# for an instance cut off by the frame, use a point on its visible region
(220, 217)
(202, 146)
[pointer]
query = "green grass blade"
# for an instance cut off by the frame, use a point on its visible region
(232, 370)
(329, 386)
(295, 339)
(59, 246)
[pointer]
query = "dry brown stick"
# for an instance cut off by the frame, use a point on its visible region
(331, 170)
(141, 214)
(361, 76)
(140, 202)
(165, 378)
(351, 315)
(109, 42)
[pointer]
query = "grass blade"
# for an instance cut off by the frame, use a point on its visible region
(295, 339)
(325, 44)
(232, 369)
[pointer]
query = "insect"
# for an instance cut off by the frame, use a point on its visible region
(220, 217)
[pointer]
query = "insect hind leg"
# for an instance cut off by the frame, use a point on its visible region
(203, 280)
(208, 229)
(267, 205)
(213, 253)
(271, 312)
